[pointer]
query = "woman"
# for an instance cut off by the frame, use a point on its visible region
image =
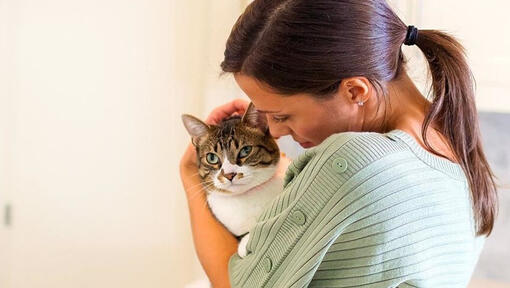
(395, 190)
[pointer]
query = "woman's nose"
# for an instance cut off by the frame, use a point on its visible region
(278, 131)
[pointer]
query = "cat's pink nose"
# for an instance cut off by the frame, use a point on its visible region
(230, 176)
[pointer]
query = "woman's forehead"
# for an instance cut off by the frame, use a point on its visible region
(260, 95)
(266, 100)
(251, 84)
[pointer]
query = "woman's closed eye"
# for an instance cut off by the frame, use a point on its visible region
(279, 118)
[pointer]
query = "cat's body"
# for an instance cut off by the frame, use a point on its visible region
(241, 169)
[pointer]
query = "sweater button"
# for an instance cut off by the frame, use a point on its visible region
(298, 217)
(339, 165)
(267, 264)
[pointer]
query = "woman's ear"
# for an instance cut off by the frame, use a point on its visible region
(356, 89)
(255, 119)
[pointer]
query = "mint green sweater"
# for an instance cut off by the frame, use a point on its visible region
(364, 209)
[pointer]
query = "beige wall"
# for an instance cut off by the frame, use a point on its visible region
(5, 149)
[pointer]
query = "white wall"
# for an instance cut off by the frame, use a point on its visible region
(91, 95)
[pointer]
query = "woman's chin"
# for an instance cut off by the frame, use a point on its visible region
(306, 144)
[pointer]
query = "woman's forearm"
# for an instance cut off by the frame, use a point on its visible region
(214, 244)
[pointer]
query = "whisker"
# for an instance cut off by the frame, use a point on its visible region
(201, 183)
(199, 191)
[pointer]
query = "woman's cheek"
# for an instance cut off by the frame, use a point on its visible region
(311, 134)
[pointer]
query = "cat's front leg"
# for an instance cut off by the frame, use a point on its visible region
(241, 249)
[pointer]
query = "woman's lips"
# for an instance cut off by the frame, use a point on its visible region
(306, 144)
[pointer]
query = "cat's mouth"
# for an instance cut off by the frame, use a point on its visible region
(233, 185)
(238, 182)
(233, 189)
(228, 187)
(238, 188)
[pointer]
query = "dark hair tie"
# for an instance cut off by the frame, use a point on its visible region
(412, 35)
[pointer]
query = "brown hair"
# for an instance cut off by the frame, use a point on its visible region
(309, 46)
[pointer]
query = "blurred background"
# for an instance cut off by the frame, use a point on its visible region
(91, 94)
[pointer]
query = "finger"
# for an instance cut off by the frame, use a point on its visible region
(241, 104)
(236, 105)
(223, 111)
(216, 116)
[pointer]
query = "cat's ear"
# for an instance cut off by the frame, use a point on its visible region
(196, 128)
(254, 118)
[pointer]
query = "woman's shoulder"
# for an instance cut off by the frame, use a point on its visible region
(362, 149)
(345, 153)
(377, 144)
(358, 148)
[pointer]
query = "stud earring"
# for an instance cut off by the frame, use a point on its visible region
(360, 103)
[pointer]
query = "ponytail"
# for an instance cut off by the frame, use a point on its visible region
(453, 107)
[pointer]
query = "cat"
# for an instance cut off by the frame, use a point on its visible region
(241, 169)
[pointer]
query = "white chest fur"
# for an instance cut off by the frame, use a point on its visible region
(239, 213)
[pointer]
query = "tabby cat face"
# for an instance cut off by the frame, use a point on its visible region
(235, 155)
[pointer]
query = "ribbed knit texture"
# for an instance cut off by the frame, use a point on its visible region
(364, 209)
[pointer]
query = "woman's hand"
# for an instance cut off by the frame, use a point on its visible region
(234, 107)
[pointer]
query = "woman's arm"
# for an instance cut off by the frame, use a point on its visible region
(213, 242)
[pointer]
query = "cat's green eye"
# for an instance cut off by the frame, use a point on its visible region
(212, 158)
(244, 151)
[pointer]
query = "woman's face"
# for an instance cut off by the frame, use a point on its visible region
(308, 120)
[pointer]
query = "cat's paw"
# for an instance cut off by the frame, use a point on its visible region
(241, 249)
